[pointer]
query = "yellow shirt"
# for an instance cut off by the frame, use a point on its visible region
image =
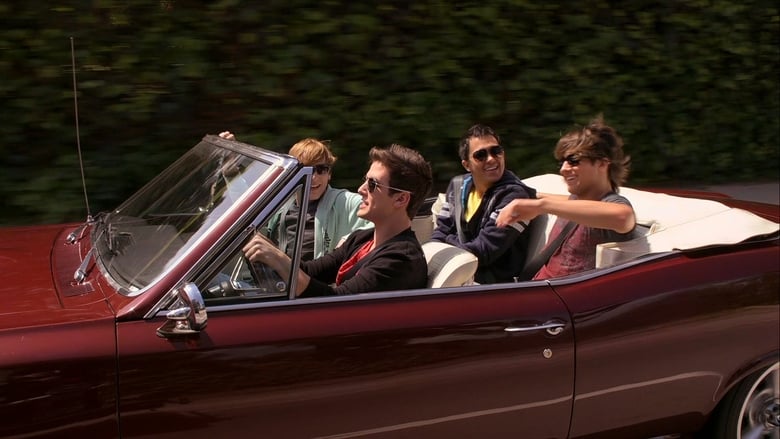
(472, 203)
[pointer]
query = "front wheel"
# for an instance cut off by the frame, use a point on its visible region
(752, 409)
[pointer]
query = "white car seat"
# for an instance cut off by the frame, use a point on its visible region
(449, 266)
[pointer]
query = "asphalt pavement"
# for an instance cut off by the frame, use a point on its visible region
(763, 192)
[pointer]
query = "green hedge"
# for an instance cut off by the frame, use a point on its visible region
(692, 86)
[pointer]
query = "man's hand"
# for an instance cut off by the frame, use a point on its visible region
(227, 135)
(261, 249)
(521, 209)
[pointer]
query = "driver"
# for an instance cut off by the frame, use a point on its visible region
(385, 257)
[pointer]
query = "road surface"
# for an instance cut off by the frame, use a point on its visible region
(763, 192)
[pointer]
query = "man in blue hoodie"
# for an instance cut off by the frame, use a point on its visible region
(467, 218)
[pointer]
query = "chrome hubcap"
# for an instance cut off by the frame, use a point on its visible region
(761, 411)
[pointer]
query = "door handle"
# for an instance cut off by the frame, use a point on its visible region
(553, 328)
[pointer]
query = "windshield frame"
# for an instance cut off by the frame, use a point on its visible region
(159, 254)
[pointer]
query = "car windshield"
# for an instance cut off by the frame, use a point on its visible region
(157, 225)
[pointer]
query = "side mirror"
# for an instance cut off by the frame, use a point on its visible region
(188, 315)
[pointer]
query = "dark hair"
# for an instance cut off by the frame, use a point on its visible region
(408, 171)
(597, 140)
(476, 131)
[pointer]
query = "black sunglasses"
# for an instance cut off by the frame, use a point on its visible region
(571, 159)
(373, 183)
(322, 169)
(482, 154)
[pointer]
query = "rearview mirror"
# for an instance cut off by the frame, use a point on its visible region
(188, 315)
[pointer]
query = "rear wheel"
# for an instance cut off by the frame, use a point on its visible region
(752, 409)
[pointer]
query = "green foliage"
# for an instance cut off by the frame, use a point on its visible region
(691, 85)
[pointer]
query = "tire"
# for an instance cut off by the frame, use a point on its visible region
(752, 409)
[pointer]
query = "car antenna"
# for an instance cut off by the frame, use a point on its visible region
(78, 137)
(74, 235)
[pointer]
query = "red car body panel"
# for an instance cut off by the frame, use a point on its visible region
(59, 380)
(636, 331)
(57, 351)
(26, 262)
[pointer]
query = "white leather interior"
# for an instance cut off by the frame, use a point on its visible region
(448, 266)
(674, 223)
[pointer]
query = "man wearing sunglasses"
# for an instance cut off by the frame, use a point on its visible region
(331, 214)
(385, 257)
(473, 200)
(593, 166)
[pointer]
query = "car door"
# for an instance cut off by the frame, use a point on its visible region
(470, 362)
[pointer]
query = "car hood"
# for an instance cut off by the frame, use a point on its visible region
(26, 282)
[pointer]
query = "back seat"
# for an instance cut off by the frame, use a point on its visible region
(669, 223)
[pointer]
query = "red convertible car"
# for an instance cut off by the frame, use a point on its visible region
(148, 322)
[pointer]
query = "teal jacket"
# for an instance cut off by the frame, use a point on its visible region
(336, 218)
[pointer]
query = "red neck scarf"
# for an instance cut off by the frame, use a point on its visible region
(349, 263)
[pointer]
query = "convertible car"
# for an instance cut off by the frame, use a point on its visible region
(148, 322)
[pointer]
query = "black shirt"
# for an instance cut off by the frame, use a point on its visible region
(397, 264)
